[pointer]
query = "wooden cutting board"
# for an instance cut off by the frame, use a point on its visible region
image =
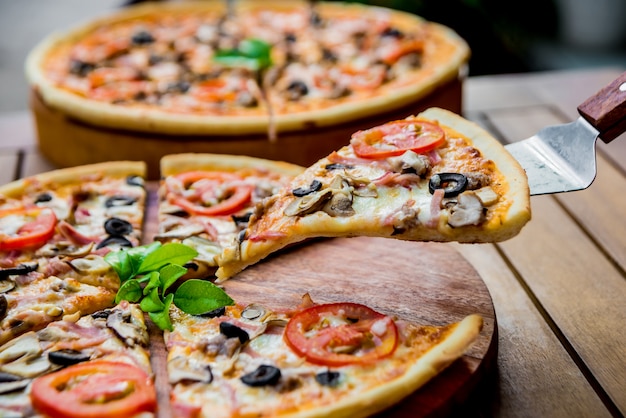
(428, 283)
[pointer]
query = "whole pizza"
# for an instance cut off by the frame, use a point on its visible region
(203, 68)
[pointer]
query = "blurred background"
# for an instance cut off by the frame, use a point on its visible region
(505, 36)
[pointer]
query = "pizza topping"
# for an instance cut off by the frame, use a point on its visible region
(94, 389)
(264, 375)
(208, 193)
(467, 210)
(395, 138)
(340, 334)
(29, 227)
(184, 370)
(233, 331)
(329, 378)
(114, 241)
(117, 227)
(451, 183)
(411, 162)
(302, 191)
(67, 357)
(128, 327)
(119, 201)
(21, 269)
(10, 383)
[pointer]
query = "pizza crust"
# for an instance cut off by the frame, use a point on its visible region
(180, 163)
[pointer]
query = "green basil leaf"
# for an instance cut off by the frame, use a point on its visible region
(120, 262)
(139, 254)
(154, 281)
(130, 290)
(254, 48)
(152, 302)
(196, 297)
(162, 318)
(169, 274)
(170, 253)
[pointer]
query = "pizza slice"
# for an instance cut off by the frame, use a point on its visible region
(205, 200)
(434, 177)
(55, 229)
(97, 365)
(316, 360)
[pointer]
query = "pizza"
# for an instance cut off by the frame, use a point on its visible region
(431, 177)
(96, 365)
(204, 68)
(55, 229)
(82, 282)
(205, 200)
(315, 360)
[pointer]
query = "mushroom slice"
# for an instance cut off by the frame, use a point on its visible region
(181, 231)
(468, 210)
(28, 366)
(341, 202)
(26, 345)
(254, 312)
(128, 325)
(487, 195)
(66, 249)
(184, 370)
(410, 162)
(309, 204)
(207, 250)
(13, 386)
(90, 264)
(6, 286)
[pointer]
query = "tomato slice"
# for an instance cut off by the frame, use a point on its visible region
(395, 138)
(38, 229)
(211, 193)
(94, 389)
(340, 334)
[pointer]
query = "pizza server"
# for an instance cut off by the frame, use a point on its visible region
(562, 158)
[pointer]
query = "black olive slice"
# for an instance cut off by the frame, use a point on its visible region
(18, 270)
(233, 331)
(338, 166)
(4, 305)
(67, 357)
(241, 219)
(81, 68)
(217, 313)
(115, 201)
(43, 197)
(264, 375)
(114, 239)
(142, 38)
(9, 377)
(392, 32)
(191, 266)
(328, 378)
(301, 191)
(452, 183)
(297, 89)
(104, 314)
(135, 181)
(117, 227)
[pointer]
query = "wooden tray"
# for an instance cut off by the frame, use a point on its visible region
(423, 282)
(67, 142)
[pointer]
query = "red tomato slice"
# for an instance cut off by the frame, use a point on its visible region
(340, 334)
(395, 138)
(33, 233)
(211, 193)
(94, 389)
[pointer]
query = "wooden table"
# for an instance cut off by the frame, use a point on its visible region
(559, 288)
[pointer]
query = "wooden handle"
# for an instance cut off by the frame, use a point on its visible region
(606, 110)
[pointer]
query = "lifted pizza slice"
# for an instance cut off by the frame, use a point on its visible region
(433, 177)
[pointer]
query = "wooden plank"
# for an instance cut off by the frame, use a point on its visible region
(16, 129)
(537, 378)
(8, 166)
(578, 288)
(35, 163)
(600, 210)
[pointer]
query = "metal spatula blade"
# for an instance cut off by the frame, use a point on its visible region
(562, 158)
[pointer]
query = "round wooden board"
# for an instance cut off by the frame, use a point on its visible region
(428, 283)
(67, 142)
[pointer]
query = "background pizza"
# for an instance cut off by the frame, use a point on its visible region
(196, 76)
